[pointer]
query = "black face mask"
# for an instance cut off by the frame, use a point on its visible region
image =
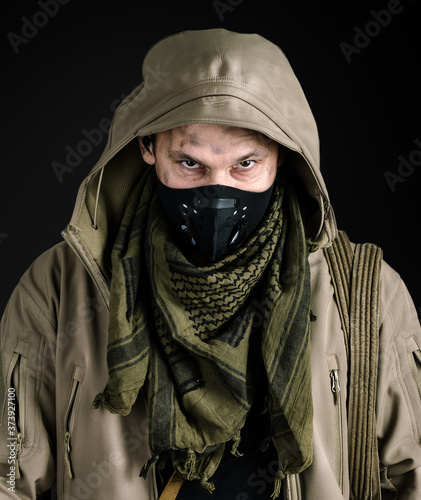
(214, 219)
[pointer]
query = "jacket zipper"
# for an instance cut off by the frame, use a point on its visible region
(18, 367)
(292, 488)
(22, 411)
(69, 419)
(336, 390)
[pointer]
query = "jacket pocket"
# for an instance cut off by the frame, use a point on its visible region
(70, 417)
(17, 380)
(333, 366)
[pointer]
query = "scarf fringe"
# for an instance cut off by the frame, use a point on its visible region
(208, 485)
(103, 399)
(235, 444)
(145, 469)
(277, 485)
(191, 465)
(99, 400)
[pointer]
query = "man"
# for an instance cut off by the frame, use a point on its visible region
(188, 322)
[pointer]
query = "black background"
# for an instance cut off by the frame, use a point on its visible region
(70, 74)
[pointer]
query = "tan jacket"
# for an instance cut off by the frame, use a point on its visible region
(54, 341)
(54, 331)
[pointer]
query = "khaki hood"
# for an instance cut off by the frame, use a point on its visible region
(206, 76)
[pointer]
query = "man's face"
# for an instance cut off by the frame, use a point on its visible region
(203, 154)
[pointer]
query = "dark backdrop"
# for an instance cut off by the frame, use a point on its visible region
(64, 72)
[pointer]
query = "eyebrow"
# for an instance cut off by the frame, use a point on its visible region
(178, 155)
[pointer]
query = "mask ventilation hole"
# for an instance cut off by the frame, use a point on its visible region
(238, 234)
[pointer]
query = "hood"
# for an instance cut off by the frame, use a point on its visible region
(205, 76)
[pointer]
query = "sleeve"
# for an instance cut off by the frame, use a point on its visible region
(27, 399)
(399, 392)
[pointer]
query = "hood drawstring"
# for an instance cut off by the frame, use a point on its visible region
(94, 224)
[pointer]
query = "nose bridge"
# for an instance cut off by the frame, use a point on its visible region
(218, 177)
(218, 173)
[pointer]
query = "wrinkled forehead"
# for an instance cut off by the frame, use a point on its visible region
(218, 136)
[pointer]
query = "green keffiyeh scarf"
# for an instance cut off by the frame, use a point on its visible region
(194, 338)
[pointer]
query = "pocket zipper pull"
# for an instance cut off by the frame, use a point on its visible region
(336, 387)
(19, 444)
(67, 464)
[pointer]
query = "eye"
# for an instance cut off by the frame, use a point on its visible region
(190, 164)
(246, 164)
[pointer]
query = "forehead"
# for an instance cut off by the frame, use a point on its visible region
(203, 134)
